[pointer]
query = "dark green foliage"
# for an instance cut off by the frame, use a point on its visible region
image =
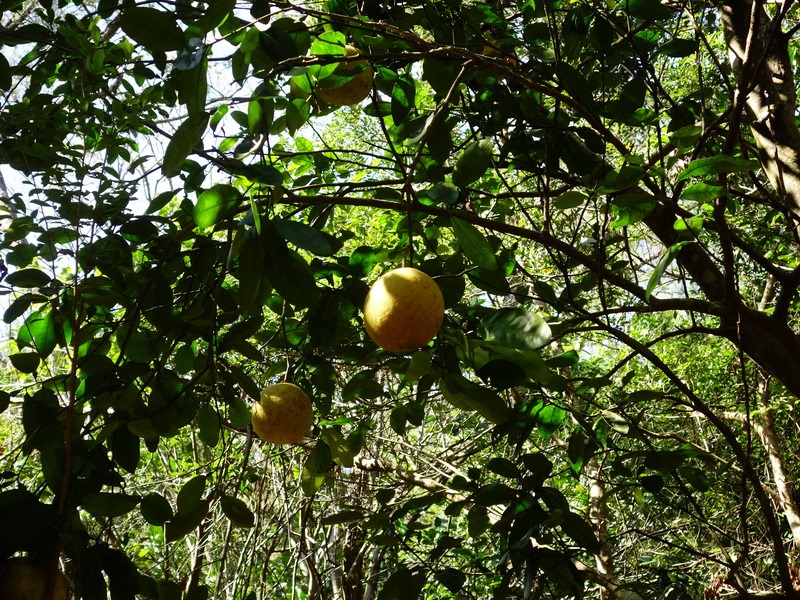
(185, 222)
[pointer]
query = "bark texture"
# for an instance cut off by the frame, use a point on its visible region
(759, 57)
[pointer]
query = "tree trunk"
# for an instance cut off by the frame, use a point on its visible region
(758, 53)
(771, 440)
(598, 516)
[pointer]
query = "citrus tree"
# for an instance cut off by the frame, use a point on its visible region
(592, 390)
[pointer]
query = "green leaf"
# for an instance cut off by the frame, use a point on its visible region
(28, 278)
(661, 267)
(339, 447)
(292, 278)
(692, 224)
(645, 396)
(579, 531)
(516, 328)
(208, 425)
(502, 374)
(419, 366)
(503, 467)
(679, 47)
(495, 493)
(264, 174)
(193, 80)
(473, 162)
(155, 509)
(539, 465)
(285, 38)
(304, 236)
(440, 74)
(191, 493)
(40, 329)
(397, 420)
(363, 386)
(108, 504)
(183, 524)
(125, 449)
(550, 418)
(253, 283)
(702, 192)
(25, 362)
(315, 469)
(647, 9)
(18, 307)
(475, 246)
(570, 199)
(157, 31)
(452, 579)
(477, 520)
(631, 208)
(652, 483)
(237, 511)
(665, 461)
(686, 136)
(184, 140)
(716, 165)
(215, 204)
(466, 395)
(403, 584)
(329, 43)
(5, 74)
(216, 13)
(26, 523)
(577, 451)
(696, 478)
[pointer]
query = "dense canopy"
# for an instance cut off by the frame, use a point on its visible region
(198, 195)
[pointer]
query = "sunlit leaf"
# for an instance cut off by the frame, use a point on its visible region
(215, 204)
(40, 330)
(184, 140)
(667, 258)
(702, 192)
(716, 165)
(516, 328)
(475, 246)
(315, 468)
(473, 163)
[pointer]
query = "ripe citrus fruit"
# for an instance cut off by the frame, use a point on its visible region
(23, 579)
(283, 415)
(353, 90)
(403, 310)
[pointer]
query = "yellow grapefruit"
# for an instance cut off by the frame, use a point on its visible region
(353, 90)
(23, 579)
(283, 414)
(403, 310)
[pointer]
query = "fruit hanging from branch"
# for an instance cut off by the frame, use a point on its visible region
(283, 414)
(353, 90)
(21, 578)
(404, 310)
